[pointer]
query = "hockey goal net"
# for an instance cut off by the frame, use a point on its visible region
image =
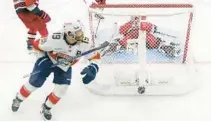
(150, 51)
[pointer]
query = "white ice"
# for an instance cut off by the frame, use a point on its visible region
(79, 103)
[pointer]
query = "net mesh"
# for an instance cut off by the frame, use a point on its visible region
(164, 32)
(148, 42)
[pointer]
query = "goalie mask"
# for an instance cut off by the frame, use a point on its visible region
(74, 32)
(135, 21)
(135, 18)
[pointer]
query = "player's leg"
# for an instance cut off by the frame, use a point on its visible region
(40, 26)
(152, 41)
(158, 30)
(62, 81)
(35, 81)
(27, 18)
(37, 25)
(170, 46)
(31, 37)
(34, 23)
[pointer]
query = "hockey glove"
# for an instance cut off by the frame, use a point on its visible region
(90, 73)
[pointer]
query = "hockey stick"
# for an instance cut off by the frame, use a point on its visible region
(164, 34)
(103, 45)
(85, 2)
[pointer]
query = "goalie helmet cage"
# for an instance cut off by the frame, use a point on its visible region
(133, 69)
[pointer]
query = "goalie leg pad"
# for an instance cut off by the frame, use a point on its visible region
(152, 41)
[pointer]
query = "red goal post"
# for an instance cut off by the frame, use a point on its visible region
(164, 5)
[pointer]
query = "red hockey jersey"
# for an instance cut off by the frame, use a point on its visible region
(25, 5)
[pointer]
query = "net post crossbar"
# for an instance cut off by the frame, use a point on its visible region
(142, 6)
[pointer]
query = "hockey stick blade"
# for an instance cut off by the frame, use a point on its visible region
(103, 45)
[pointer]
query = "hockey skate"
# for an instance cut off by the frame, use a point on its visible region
(45, 112)
(16, 104)
(29, 45)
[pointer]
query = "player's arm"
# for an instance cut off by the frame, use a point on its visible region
(33, 7)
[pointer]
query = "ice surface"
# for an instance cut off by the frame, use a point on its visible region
(78, 103)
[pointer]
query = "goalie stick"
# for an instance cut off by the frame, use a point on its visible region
(85, 1)
(99, 20)
(163, 34)
(103, 45)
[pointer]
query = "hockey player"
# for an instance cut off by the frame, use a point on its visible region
(33, 18)
(57, 48)
(156, 37)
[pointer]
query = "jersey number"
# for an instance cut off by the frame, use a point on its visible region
(56, 36)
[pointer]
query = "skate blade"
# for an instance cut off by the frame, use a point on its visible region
(43, 116)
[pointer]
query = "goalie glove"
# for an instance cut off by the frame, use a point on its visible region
(170, 48)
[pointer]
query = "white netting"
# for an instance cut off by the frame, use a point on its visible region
(150, 47)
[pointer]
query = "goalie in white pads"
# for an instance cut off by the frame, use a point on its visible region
(166, 41)
(58, 47)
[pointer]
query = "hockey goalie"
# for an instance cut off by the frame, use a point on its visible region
(122, 56)
(125, 38)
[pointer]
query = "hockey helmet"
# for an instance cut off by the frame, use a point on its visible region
(74, 30)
